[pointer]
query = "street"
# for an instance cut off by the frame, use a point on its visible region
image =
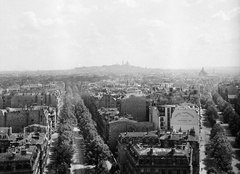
(204, 138)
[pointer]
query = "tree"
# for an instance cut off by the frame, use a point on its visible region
(237, 140)
(230, 172)
(211, 110)
(63, 169)
(217, 128)
(234, 122)
(227, 114)
(211, 120)
(212, 170)
(220, 149)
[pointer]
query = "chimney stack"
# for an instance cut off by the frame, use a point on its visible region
(23, 152)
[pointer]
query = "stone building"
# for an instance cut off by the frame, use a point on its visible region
(27, 155)
(5, 100)
(146, 155)
(162, 143)
(161, 116)
(136, 106)
(121, 125)
(135, 137)
(107, 101)
(21, 100)
(110, 125)
(5, 133)
(20, 118)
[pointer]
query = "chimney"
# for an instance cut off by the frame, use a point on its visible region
(13, 155)
(9, 131)
(173, 150)
(27, 145)
(126, 130)
(150, 152)
(23, 152)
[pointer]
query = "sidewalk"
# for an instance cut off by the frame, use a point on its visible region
(53, 139)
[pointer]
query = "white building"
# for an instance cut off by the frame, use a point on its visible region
(185, 118)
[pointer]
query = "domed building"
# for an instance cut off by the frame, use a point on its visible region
(202, 73)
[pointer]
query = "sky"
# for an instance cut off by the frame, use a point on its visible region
(64, 34)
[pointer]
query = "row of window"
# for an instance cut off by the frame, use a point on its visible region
(163, 161)
(163, 171)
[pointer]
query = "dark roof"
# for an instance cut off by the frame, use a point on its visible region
(232, 90)
(138, 134)
(5, 157)
(179, 136)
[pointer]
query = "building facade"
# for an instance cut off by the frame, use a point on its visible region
(28, 154)
(186, 118)
(18, 118)
(107, 101)
(157, 149)
(161, 116)
(145, 154)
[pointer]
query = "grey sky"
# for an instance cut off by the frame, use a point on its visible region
(63, 34)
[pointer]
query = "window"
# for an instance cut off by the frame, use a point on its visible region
(169, 171)
(184, 171)
(1, 167)
(26, 166)
(9, 167)
(18, 166)
(172, 109)
(178, 171)
(163, 171)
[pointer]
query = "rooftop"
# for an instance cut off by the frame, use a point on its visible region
(138, 134)
(35, 138)
(108, 111)
(158, 151)
(17, 156)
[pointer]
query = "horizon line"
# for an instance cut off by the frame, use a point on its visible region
(69, 69)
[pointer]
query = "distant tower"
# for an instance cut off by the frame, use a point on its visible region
(127, 64)
(122, 62)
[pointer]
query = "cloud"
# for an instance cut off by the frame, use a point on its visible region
(221, 15)
(154, 23)
(129, 3)
(184, 3)
(157, 1)
(29, 20)
(215, 3)
(199, 1)
(203, 40)
(232, 14)
(76, 8)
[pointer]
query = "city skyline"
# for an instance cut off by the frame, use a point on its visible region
(51, 35)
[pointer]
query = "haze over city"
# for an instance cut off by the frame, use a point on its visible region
(119, 87)
(61, 34)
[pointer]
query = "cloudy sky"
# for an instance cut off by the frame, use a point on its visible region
(63, 34)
